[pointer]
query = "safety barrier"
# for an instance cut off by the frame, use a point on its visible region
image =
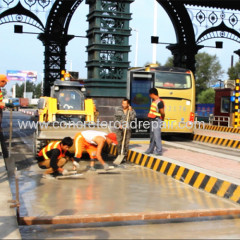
(220, 120)
(220, 128)
(217, 141)
(196, 179)
(191, 177)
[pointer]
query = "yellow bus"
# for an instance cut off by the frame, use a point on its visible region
(176, 87)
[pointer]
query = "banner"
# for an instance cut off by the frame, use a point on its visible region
(16, 75)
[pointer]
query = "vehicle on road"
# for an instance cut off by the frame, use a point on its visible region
(64, 114)
(176, 87)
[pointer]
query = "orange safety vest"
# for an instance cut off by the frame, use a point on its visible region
(49, 147)
(153, 113)
(1, 96)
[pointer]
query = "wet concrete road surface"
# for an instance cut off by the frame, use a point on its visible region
(133, 190)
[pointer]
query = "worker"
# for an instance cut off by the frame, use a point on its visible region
(156, 116)
(93, 142)
(3, 83)
(54, 156)
(121, 116)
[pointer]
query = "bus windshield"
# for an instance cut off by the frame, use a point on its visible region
(173, 80)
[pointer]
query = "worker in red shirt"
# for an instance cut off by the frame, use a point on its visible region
(3, 83)
(54, 156)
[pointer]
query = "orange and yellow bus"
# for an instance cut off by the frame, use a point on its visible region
(176, 87)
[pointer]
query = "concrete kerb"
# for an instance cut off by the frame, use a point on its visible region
(209, 181)
(8, 220)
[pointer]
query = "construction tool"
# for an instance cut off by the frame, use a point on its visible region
(10, 134)
(120, 157)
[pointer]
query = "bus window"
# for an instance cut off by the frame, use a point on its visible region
(173, 80)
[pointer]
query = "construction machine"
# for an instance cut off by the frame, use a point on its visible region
(63, 114)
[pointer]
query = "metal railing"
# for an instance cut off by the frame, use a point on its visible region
(219, 120)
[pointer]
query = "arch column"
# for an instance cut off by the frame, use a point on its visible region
(55, 58)
(184, 55)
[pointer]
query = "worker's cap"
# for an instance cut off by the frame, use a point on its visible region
(3, 77)
(113, 137)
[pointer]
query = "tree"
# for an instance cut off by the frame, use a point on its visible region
(169, 62)
(4, 92)
(30, 87)
(207, 96)
(147, 63)
(208, 71)
(233, 72)
(37, 91)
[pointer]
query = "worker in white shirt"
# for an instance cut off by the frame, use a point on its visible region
(93, 142)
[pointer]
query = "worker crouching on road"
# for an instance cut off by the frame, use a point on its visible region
(121, 116)
(54, 156)
(93, 142)
(156, 116)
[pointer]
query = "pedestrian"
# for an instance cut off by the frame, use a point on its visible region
(54, 156)
(156, 115)
(121, 117)
(3, 83)
(93, 142)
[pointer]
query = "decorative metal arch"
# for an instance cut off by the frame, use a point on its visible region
(56, 38)
(221, 31)
(60, 16)
(20, 14)
(186, 48)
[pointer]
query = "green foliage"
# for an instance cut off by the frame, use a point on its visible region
(233, 72)
(30, 87)
(208, 71)
(207, 96)
(169, 62)
(4, 92)
(147, 63)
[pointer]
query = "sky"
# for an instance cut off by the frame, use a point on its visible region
(25, 51)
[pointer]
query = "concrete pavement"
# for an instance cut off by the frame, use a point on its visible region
(8, 221)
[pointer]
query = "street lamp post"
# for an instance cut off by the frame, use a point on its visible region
(136, 49)
(154, 54)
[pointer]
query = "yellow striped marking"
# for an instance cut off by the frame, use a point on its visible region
(156, 164)
(220, 141)
(138, 158)
(133, 156)
(202, 138)
(210, 184)
(199, 180)
(150, 162)
(171, 169)
(207, 138)
(144, 160)
(189, 176)
(179, 173)
(215, 140)
(198, 137)
(229, 144)
(210, 140)
(194, 137)
(223, 189)
(236, 194)
(235, 144)
(163, 167)
(225, 142)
